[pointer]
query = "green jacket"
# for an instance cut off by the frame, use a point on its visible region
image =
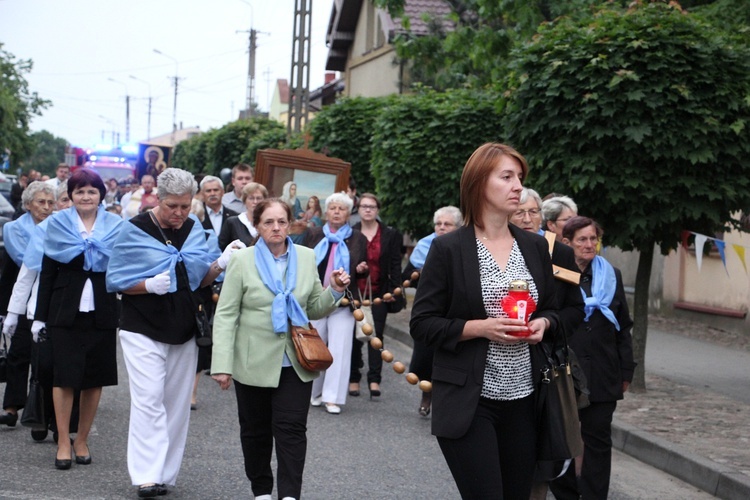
(244, 343)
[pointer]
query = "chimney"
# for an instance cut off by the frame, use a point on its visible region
(330, 76)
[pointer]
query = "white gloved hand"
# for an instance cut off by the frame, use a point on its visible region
(9, 324)
(223, 261)
(159, 284)
(36, 327)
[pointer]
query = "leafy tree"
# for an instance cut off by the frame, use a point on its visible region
(194, 154)
(643, 116)
(17, 106)
(420, 144)
(47, 152)
(344, 130)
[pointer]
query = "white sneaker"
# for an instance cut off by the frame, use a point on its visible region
(316, 401)
(264, 497)
(333, 409)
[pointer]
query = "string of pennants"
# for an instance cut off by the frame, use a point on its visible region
(700, 242)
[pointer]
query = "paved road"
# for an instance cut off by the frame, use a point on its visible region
(699, 364)
(373, 450)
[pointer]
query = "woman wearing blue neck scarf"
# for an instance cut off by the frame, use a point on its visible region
(268, 287)
(337, 246)
(604, 348)
(446, 219)
(74, 305)
(160, 259)
(39, 200)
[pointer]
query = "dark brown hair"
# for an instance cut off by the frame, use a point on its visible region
(577, 223)
(86, 177)
(263, 205)
(477, 170)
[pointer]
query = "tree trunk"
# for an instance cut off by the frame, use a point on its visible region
(640, 316)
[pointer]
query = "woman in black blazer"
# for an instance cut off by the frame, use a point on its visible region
(384, 265)
(485, 366)
(73, 304)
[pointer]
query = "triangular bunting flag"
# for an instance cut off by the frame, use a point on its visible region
(740, 250)
(700, 241)
(720, 247)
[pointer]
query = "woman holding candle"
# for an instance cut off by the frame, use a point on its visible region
(485, 367)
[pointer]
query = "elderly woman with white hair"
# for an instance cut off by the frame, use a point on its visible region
(39, 200)
(529, 214)
(159, 261)
(556, 211)
(446, 219)
(337, 246)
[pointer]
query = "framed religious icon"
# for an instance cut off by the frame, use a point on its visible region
(311, 173)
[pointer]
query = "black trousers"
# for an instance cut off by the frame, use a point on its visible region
(374, 361)
(280, 414)
(596, 431)
(19, 359)
(495, 458)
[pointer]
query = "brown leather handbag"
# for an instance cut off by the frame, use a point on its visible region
(312, 352)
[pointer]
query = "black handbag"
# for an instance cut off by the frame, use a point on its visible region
(203, 337)
(3, 360)
(559, 429)
(34, 414)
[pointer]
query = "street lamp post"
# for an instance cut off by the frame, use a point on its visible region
(176, 80)
(127, 108)
(148, 130)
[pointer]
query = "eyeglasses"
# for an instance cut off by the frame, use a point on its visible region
(582, 240)
(532, 212)
(368, 207)
(255, 198)
(268, 224)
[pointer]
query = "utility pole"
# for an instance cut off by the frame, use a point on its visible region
(176, 82)
(148, 130)
(299, 93)
(252, 49)
(127, 109)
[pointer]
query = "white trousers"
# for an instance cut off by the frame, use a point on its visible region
(337, 331)
(161, 384)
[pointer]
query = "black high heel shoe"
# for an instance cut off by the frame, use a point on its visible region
(65, 463)
(374, 393)
(354, 392)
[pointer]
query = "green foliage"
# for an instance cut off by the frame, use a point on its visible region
(236, 142)
(47, 152)
(419, 147)
(641, 116)
(343, 130)
(17, 106)
(475, 50)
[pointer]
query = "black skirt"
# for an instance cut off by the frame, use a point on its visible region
(83, 356)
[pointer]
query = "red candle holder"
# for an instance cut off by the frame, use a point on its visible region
(519, 304)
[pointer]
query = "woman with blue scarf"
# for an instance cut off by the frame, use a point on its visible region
(160, 259)
(337, 246)
(604, 348)
(77, 310)
(446, 219)
(38, 199)
(267, 288)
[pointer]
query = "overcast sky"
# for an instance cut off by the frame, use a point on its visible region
(78, 45)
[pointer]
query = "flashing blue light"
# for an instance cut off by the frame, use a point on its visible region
(129, 148)
(92, 157)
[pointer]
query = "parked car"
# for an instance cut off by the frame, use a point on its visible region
(6, 182)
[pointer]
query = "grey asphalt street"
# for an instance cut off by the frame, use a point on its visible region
(699, 364)
(373, 450)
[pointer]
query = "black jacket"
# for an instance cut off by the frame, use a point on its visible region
(357, 245)
(390, 261)
(225, 214)
(59, 296)
(448, 296)
(605, 354)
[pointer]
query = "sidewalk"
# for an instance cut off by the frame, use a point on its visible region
(692, 433)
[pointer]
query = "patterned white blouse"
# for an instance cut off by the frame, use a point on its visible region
(507, 374)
